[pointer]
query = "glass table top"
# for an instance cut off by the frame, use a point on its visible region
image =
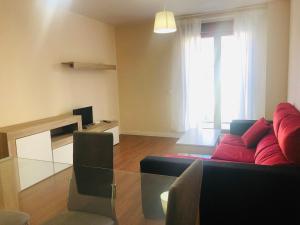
(37, 188)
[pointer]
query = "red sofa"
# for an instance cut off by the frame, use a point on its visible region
(259, 185)
(278, 145)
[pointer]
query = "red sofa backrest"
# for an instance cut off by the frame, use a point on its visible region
(268, 152)
(282, 111)
(287, 130)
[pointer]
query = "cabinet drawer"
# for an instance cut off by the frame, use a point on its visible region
(37, 146)
(115, 132)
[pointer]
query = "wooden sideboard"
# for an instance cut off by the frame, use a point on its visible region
(40, 135)
(49, 139)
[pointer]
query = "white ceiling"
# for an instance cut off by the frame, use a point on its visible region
(128, 11)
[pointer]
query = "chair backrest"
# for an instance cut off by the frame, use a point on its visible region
(184, 196)
(94, 181)
(93, 149)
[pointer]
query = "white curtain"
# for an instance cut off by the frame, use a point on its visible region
(243, 71)
(197, 75)
(250, 63)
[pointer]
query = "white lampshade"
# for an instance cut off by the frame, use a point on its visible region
(164, 23)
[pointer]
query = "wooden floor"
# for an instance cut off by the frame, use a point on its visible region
(132, 149)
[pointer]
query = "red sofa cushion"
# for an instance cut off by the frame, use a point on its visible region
(289, 138)
(282, 111)
(234, 153)
(255, 133)
(268, 152)
(232, 140)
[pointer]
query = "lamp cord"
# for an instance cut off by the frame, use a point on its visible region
(165, 4)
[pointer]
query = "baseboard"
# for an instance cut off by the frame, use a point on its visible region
(153, 134)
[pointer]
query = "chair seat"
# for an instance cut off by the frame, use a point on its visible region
(80, 218)
(13, 218)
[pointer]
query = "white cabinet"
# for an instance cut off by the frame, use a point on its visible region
(63, 157)
(115, 132)
(63, 154)
(37, 146)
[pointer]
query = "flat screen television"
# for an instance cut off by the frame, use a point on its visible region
(86, 114)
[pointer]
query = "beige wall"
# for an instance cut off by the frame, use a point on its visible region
(294, 69)
(34, 39)
(277, 55)
(147, 66)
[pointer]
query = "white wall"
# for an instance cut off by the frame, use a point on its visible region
(294, 68)
(35, 38)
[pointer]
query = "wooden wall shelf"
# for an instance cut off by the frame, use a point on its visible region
(91, 66)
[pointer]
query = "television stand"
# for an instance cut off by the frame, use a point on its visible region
(112, 127)
(87, 126)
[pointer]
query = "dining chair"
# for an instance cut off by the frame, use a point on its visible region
(184, 197)
(91, 194)
(93, 149)
(13, 218)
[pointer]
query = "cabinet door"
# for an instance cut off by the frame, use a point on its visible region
(63, 154)
(115, 132)
(37, 146)
(63, 157)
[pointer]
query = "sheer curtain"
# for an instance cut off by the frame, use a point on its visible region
(197, 70)
(250, 63)
(243, 71)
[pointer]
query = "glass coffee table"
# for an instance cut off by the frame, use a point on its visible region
(126, 197)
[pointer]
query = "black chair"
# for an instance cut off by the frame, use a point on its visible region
(93, 149)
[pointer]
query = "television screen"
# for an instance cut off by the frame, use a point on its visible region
(86, 115)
